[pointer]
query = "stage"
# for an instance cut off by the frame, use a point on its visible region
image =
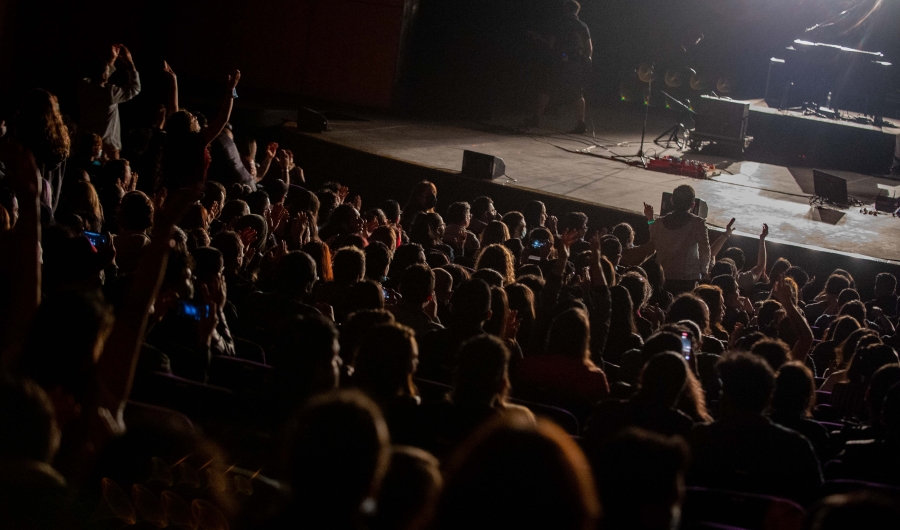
(547, 160)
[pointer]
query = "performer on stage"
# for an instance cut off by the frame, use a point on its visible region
(565, 74)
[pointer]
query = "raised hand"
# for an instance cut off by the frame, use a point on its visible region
(781, 292)
(276, 217)
(356, 201)
(568, 237)
(648, 212)
(343, 192)
(431, 308)
(124, 53)
(300, 229)
(765, 231)
(746, 305)
(513, 322)
(729, 229)
(595, 243)
(551, 224)
(271, 150)
(233, 80)
(248, 237)
(286, 159)
(168, 70)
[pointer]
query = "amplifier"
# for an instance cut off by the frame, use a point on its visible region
(883, 203)
(722, 120)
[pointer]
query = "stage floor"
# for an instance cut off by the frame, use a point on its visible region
(546, 159)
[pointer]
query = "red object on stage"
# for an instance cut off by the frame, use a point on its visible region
(678, 166)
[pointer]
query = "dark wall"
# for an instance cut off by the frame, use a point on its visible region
(337, 50)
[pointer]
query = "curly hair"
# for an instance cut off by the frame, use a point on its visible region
(500, 259)
(40, 127)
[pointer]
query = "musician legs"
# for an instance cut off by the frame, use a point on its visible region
(580, 107)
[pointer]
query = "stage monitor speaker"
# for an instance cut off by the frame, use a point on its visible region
(701, 209)
(830, 187)
(722, 119)
(482, 166)
(311, 121)
(883, 203)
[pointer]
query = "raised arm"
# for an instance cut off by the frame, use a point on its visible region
(121, 94)
(760, 269)
(601, 305)
(720, 241)
(218, 123)
(116, 367)
(172, 96)
(269, 155)
(20, 261)
(782, 293)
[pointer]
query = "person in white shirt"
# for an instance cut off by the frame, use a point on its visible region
(99, 100)
(681, 241)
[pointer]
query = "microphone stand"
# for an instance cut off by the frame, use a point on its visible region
(641, 155)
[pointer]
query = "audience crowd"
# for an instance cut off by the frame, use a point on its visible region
(192, 336)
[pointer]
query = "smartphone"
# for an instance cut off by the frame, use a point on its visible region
(686, 347)
(98, 240)
(539, 244)
(384, 293)
(189, 309)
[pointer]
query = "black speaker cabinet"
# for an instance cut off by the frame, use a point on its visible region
(482, 166)
(721, 120)
(700, 209)
(883, 203)
(311, 121)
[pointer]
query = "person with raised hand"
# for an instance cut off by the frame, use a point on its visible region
(99, 100)
(186, 157)
(781, 291)
(681, 241)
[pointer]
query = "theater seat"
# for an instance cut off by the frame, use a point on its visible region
(249, 350)
(137, 413)
(742, 510)
(240, 375)
(431, 391)
(197, 401)
(562, 417)
(835, 487)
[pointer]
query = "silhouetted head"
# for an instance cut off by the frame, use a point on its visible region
(514, 474)
(795, 391)
(570, 335)
(481, 374)
(664, 378)
(386, 360)
(409, 491)
(747, 383)
(337, 458)
(471, 302)
(640, 480)
(683, 198)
